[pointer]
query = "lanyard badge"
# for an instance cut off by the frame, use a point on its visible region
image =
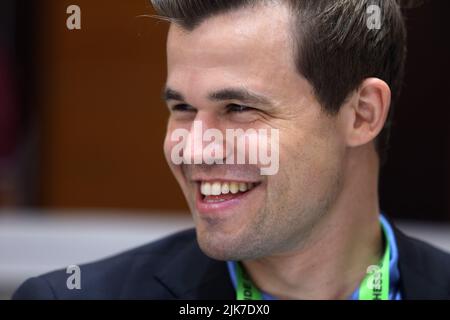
(375, 286)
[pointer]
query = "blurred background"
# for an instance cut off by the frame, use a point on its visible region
(82, 173)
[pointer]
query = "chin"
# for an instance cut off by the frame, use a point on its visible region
(217, 254)
(227, 247)
(216, 246)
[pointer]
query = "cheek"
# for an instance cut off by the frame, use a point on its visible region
(168, 145)
(306, 161)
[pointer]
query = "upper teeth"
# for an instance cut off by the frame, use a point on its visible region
(218, 188)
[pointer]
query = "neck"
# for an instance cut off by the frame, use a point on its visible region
(332, 261)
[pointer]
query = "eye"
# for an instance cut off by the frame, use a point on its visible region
(238, 108)
(182, 107)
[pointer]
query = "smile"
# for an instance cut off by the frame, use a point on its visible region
(215, 197)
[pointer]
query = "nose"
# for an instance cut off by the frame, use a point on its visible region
(205, 143)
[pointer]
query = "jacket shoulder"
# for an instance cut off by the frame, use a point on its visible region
(108, 277)
(424, 269)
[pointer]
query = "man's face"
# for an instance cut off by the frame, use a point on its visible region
(252, 49)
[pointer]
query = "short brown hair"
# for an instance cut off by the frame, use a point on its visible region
(335, 49)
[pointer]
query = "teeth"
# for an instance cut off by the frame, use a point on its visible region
(205, 188)
(242, 187)
(234, 187)
(218, 188)
(225, 188)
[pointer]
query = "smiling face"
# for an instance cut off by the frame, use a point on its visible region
(250, 51)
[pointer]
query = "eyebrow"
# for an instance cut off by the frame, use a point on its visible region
(170, 94)
(240, 94)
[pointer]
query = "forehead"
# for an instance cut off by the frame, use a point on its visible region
(250, 47)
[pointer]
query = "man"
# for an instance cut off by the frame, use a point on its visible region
(323, 75)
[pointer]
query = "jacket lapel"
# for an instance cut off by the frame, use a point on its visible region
(417, 271)
(193, 275)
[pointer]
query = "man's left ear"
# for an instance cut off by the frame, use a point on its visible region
(367, 112)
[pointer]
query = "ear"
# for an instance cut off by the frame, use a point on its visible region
(367, 112)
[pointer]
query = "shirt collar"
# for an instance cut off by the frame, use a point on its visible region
(394, 273)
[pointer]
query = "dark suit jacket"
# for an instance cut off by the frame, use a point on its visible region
(176, 268)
